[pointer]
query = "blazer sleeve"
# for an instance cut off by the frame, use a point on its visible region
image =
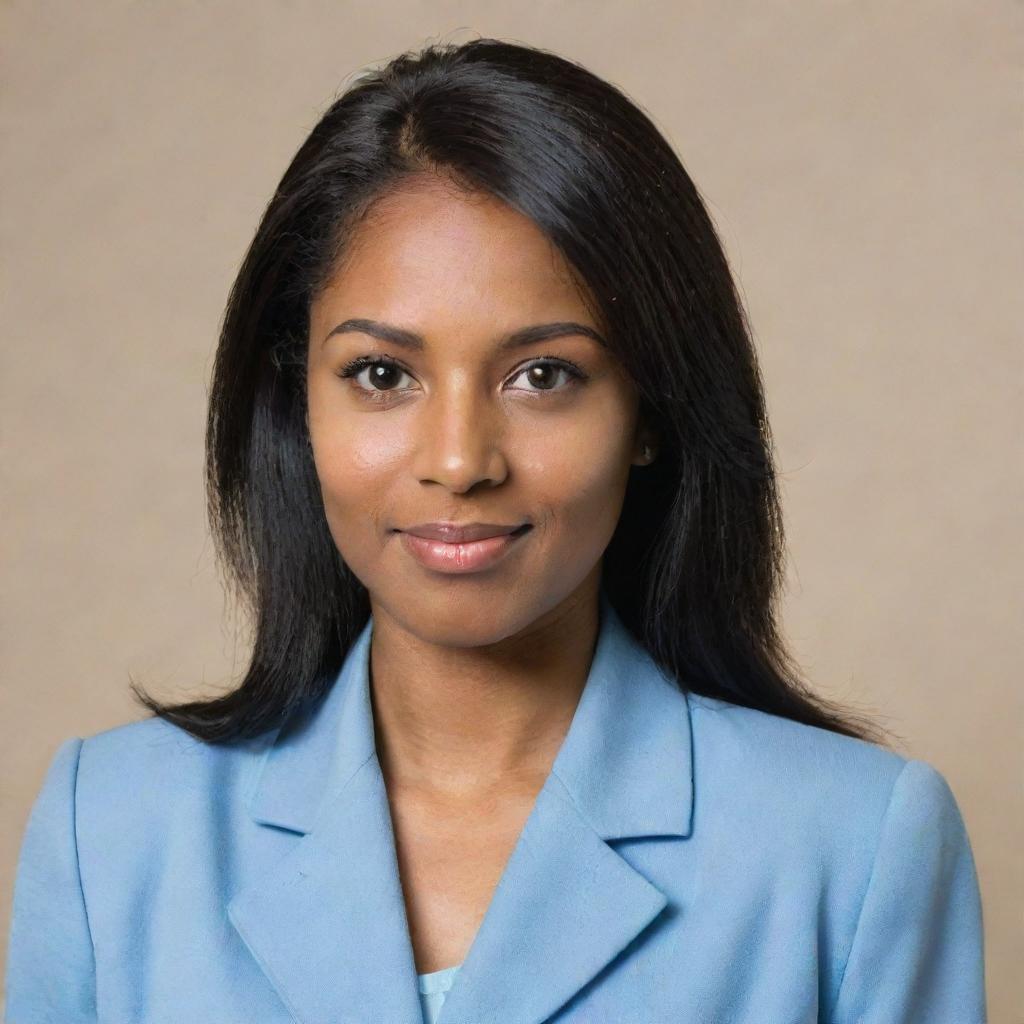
(50, 962)
(917, 955)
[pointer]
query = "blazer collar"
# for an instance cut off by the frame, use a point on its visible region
(327, 923)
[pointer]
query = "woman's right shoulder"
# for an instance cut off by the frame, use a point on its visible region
(138, 770)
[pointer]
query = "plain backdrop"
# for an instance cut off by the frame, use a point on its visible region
(862, 161)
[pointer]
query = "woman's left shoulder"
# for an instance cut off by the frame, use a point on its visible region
(811, 775)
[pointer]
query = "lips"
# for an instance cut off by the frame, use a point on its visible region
(463, 556)
(454, 533)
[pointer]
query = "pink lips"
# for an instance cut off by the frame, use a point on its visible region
(459, 556)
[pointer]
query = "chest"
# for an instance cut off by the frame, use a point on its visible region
(450, 861)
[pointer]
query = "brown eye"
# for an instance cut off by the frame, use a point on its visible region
(382, 372)
(542, 374)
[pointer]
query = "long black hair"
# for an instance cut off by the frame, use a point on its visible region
(696, 562)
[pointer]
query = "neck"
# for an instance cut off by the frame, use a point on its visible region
(460, 724)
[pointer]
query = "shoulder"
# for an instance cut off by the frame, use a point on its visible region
(788, 775)
(111, 797)
(808, 814)
(140, 769)
(754, 739)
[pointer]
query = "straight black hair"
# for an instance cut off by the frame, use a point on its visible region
(696, 562)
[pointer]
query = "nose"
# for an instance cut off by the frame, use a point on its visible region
(460, 438)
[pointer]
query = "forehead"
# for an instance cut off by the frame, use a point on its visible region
(434, 244)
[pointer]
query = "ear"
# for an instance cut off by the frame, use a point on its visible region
(645, 444)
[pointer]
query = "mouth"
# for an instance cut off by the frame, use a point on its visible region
(462, 533)
(462, 556)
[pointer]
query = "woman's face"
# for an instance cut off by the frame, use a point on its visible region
(457, 427)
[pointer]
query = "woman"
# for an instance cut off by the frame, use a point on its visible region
(519, 740)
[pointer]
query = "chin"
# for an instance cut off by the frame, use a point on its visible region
(463, 620)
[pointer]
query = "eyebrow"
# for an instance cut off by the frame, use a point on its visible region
(517, 339)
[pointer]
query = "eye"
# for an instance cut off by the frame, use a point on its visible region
(540, 372)
(391, 370)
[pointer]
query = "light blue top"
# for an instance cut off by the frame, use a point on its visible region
(686, 859)
(433, 989)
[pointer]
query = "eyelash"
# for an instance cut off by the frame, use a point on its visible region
(352, 368)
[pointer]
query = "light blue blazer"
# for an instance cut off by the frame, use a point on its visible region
(687, 861)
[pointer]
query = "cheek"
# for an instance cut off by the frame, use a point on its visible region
(357, 460)
(581, 480)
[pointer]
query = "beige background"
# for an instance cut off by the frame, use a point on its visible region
(862, 160)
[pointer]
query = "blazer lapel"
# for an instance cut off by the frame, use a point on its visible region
(327, 924)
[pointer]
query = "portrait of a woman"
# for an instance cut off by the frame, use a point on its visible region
(519, 740)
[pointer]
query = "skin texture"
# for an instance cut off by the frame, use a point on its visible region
(475, 677)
